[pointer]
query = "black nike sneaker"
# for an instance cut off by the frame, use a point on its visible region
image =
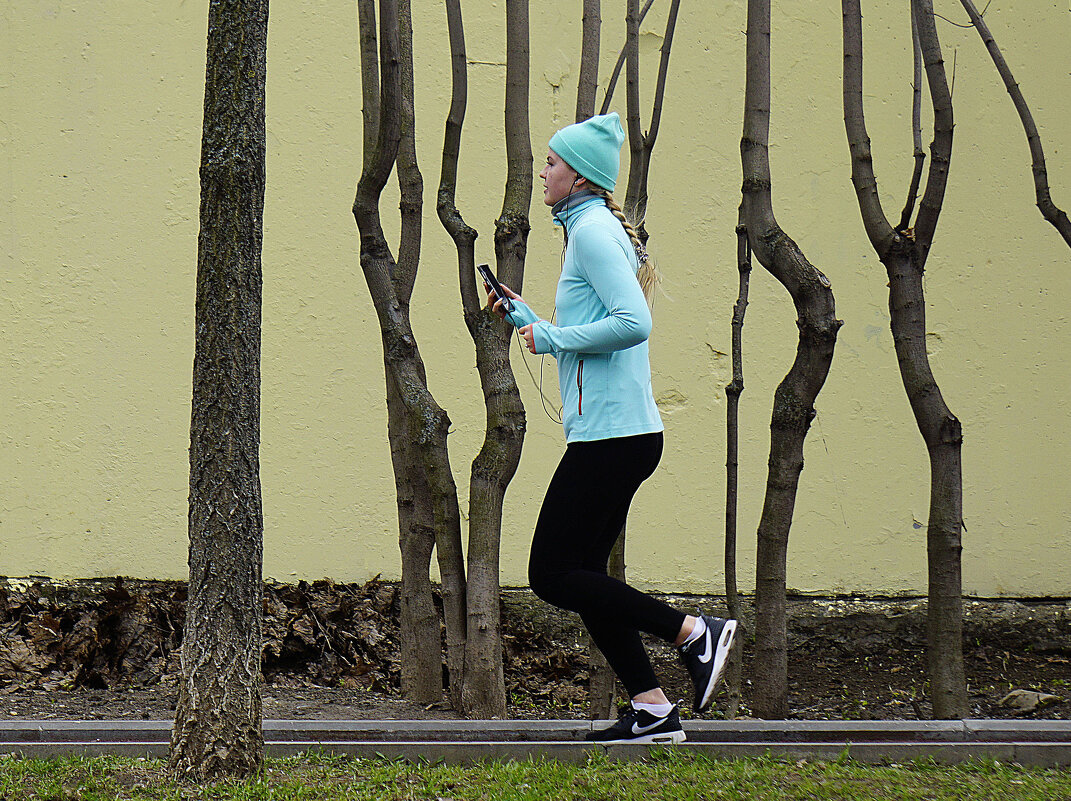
(705, 658)
(640, 726)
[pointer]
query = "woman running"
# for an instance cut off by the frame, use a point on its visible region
(613, 433)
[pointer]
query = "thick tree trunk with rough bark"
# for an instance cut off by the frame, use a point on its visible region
(794, 399)
(217, 730)
(417, 426)
(903, 252)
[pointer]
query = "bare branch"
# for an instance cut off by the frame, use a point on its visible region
(636, 165)
(866, 185)
(464, 236)
(410, 181)
(366, 16)
(732, 461)
(588, 82)
(952, 22)
(380, 160)
(663, 70)
(1048, 209)
(916, 130)
(941, 148)
(617, 67)
(636, 200)
(517, 201)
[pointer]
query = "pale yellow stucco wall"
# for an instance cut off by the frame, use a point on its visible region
(100, 106)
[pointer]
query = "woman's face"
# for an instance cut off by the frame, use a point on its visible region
(558, 179)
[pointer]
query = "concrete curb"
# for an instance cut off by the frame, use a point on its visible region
(1038, 743)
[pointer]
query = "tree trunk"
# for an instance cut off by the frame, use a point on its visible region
(418, 427)
(620, 63)
(217, 731)
(421, 663)
(903, 252)
(602, 683)
(451, 561)
(642, 144)
(794, 399)
(733, 673)
(484, 692)
(588, 82)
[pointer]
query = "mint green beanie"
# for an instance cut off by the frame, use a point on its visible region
(592, 148)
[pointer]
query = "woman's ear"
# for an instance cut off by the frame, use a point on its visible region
(580, 180)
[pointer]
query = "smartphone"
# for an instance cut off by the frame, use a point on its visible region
(491, 281)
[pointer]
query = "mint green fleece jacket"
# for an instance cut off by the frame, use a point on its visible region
(600, 340)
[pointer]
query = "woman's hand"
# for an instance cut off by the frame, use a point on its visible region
(529, 337)
(495, 303)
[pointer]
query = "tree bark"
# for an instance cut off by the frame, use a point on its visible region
(732, 466)
(484, 692)
(794, 399)
(452, 560)
(1049, 210)
(642, 144)
(417, 426)
(217, 731)
(916, 128)
(588, 82)
(904, 255)
(619, 64)
(602, 683)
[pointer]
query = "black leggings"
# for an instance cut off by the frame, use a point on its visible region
(583, 513)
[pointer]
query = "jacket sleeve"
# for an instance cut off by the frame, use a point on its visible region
(608, 270)
(521, 315)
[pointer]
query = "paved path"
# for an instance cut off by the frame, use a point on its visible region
(1028, 742)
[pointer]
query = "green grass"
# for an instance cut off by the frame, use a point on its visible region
(667, 775)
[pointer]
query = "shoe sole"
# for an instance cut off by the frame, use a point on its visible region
(721, 656)
(668, 738)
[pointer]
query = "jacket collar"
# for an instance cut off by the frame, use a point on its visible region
(567, 210)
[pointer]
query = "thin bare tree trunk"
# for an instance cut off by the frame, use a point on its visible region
(483, 693)
(794, 399)
(452, 561)
(602, 683)
(421, 664)
(419, 620)
(733, 673)
(904, 255)
(1048, 209)
(638, 155)
(418, 427)
(588, 82)
(217, 731)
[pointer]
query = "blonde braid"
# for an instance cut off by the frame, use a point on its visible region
(648, 274)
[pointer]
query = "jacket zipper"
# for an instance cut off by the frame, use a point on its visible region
(580, 389)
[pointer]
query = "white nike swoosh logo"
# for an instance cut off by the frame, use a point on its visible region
(638, 729)
(705, 656)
